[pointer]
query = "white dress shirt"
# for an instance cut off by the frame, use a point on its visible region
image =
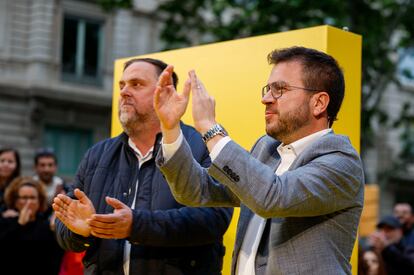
(141, 160)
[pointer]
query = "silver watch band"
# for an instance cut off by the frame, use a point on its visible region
(215, 130)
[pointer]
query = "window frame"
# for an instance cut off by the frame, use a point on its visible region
(79, 75)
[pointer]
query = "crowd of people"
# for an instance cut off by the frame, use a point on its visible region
(390, 249)
(26, 212)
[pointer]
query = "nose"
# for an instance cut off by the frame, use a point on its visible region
(268, 98)
(125, 91)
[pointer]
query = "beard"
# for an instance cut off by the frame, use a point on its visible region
(288, 123)
(133, 122)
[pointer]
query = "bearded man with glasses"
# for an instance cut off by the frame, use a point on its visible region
(300, 189)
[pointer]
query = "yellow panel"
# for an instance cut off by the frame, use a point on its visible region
(234, 72)
(369, 217)
(345, 47)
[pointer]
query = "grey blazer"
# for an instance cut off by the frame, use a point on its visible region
(312, 210)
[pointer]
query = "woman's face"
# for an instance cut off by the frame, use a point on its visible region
(8, 164)
(372, 262)
(29, 196)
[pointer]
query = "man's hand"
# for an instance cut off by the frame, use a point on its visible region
(204, 106)
(74, 213)
(117, 225)
(169, 105)
(379, 240)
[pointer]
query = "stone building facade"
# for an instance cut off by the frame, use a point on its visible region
(56, 72)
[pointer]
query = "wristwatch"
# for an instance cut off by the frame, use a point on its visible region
(215, 130)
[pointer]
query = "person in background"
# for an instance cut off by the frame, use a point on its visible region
(45, 167)
(10, 167)
(27, 197)
(122, 211)
(404, 213)
(371, 263)
(387, 241)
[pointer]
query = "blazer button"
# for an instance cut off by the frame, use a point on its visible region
(226, 168)
(125, 194)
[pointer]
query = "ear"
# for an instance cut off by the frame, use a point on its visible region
(319, 103)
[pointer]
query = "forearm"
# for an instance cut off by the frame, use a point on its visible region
(190, 183)
(170, 135)
(71, 241)
(184, 226)
(316, 188)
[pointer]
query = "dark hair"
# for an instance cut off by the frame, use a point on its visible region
(320, 72)
(44, 153)
(12, 192)
(363, 267)
(16, 171)
(160, 65)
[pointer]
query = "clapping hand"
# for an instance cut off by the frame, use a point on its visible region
(74, 213)
(116, 225)
(204, 105)
(169, 105)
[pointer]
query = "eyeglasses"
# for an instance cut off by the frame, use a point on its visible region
(279, 87)
(25, 198)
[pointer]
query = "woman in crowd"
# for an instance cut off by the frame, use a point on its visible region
(372, 263)
(27, 197)
(9, 170)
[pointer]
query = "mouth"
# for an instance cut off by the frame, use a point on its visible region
(269, 114)
(125, 105)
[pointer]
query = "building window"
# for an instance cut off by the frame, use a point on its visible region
(82, 50)
(70, 145)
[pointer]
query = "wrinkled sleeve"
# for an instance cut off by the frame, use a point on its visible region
(174, 226)
(190, 182)
(327, 181)
(66, 238)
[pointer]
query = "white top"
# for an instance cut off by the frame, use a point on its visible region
(141, 159)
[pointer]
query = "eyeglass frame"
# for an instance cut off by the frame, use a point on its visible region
(26, 198)
(287, 87)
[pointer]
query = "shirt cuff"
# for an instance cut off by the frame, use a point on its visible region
(218, 147)
(168, 150)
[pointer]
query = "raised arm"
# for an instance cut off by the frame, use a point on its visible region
(169, 105)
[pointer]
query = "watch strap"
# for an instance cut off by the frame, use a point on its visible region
(215, 130)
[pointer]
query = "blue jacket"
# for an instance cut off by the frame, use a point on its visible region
(166, 237)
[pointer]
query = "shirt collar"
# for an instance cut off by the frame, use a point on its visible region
(299, 145)
(138, 153)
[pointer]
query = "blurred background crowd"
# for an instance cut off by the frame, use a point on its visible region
(26, 214)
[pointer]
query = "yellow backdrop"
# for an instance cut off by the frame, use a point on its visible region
(234, 72)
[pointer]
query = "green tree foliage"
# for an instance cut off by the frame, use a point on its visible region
(386, 26)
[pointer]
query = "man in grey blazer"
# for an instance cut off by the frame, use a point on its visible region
(300, 188)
